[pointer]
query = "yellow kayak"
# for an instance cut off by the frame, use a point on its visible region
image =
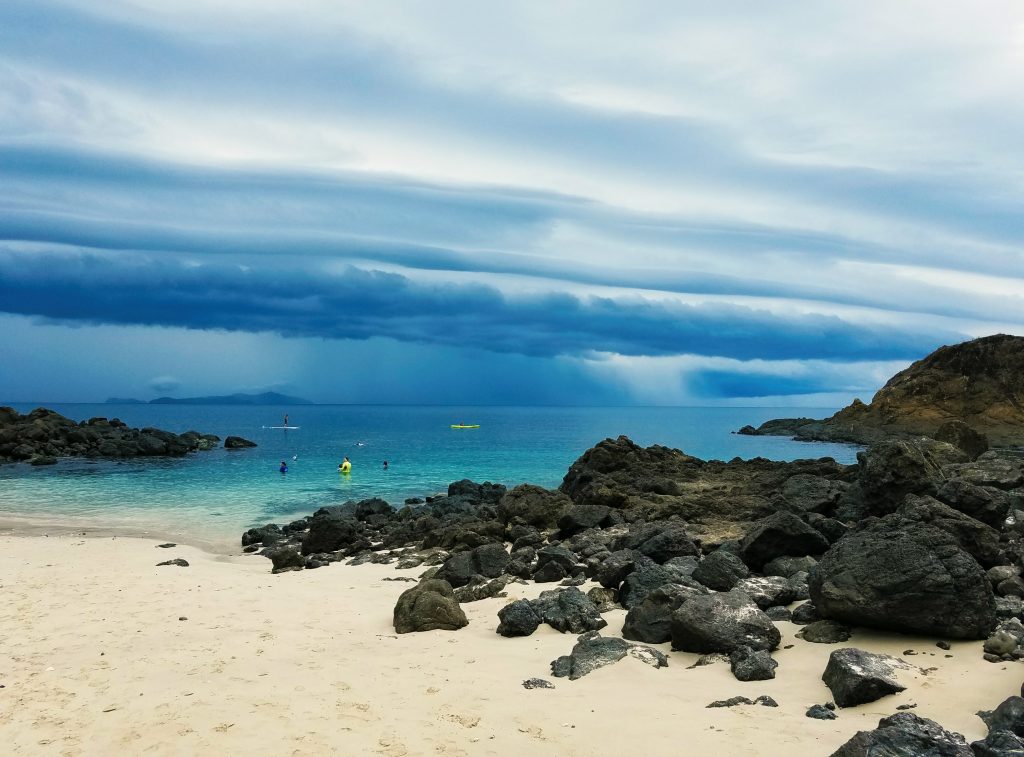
(465, 425)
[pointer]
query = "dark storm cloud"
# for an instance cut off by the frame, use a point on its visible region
(359, 304)
(75, 198)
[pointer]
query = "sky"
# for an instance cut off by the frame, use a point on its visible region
(455, 202)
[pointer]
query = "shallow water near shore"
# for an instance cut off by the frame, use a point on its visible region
(211, 497)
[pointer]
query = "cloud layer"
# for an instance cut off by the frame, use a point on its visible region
(563, 184)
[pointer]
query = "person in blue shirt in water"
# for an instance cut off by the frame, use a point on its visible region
(284, 467)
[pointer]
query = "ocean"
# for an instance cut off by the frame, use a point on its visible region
(209, 498)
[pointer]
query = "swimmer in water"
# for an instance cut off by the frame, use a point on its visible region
(345, 467)
(385, 465)
(284, 467)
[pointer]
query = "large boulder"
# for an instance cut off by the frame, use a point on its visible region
(284, 557)
(645, 579)
(651, 620)
(959, 434)
(752, 664)
(985, 503)
(583, 517)
(721, 570)
(568, 610)
(533, 506)
(518, 618)
(237, 442)
(781, 533)
(999, 744)
(1008, 716)
(330, 531)
(857, 677)
(767, 591)
(554, 562)
(659, 541)
(593, 651)
(972, 536)
(430, 606)
(266, 535)
(905, 735)
(904, 576)
(894, 468)
(722, 623)
(612, 571)
(487, 560)
(474, 493)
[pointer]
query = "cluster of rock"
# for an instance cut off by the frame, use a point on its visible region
(42, 436)
(920, 537)
(977, 383)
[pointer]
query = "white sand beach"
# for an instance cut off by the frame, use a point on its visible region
(102, 652)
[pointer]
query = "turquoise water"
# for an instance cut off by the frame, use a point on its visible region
(213, 496)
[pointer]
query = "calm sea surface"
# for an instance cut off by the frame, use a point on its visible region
(211, 497)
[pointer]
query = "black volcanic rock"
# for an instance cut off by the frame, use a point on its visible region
(906, 576)
(568, 610)
(722, 623)
(890, 470)
(427, 607)
(533, 505)
(518, 618)
(651, 620)
(330, 531)
(778, 535)
(237, 442)
(905, 735)
(1008, 716)
(857, 677)
(43, 436)
(658, 483)
(721, 570)
(487, 560)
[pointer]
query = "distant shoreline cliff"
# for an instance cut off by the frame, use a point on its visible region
(980, 382)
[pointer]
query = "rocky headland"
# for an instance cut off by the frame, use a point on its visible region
(42, 436)
(979, 383)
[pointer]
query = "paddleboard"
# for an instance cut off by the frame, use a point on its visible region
(282, 427)
(466, 425)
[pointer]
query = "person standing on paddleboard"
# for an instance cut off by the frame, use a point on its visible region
(286, 421)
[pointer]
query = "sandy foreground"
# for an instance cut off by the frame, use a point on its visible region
(103, 653)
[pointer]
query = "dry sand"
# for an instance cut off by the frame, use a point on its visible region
(95, 660)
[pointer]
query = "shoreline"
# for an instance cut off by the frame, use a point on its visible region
(308, 661)
(25, 526)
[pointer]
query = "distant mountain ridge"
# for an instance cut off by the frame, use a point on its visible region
(266, 398)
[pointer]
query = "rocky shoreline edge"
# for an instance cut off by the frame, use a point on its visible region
(43, 436)
(977, 383)
(920, 536)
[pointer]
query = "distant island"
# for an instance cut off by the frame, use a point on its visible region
(266, 398)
